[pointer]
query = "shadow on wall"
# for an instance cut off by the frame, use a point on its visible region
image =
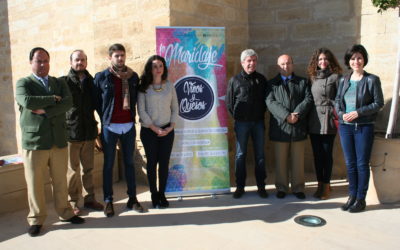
(8, 143)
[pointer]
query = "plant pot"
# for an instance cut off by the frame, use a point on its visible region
(385, 170)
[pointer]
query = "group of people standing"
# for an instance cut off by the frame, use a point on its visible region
(59, 131)
(321, 105)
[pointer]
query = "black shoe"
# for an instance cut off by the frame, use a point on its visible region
(238, 193)
(300, 195)
(262, 193)
(349, 203)
(280, 195)
(134, 204)
(358, 206)
(155, 200)
(34, 230)
(75, 220)
(109, 210)
(163, 201)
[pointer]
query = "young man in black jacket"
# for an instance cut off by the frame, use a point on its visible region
(245, 101)
(82, 132)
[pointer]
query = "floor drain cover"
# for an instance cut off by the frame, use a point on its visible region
(310, 221)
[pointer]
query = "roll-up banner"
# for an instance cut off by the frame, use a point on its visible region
(196, 64)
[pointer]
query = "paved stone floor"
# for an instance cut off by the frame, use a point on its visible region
(215, 223)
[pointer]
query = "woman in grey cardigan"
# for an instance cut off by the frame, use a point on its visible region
(158, 112)
(323, 71)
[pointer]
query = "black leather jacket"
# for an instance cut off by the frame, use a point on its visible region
(369, 98)
(245, 97)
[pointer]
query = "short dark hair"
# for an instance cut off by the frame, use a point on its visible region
(356, 48)
(33, 51)
(77, 50)
(116, 47)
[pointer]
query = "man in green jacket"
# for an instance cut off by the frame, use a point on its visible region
(43, 101)
(289, 102)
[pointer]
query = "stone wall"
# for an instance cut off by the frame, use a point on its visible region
(231, 14)
(65, 25)
(380, 34)
(271, 27)
(298, 27)
(7, 114)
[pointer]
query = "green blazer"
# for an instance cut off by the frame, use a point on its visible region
(40, 132)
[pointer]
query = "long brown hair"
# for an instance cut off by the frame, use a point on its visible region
(313, 64)
(147, 77)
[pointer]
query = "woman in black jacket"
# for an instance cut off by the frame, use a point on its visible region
(323, 71)
(358, 101)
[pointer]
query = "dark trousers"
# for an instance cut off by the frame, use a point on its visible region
(243, 131)
(322, 146)
(158, 150)
(357, 143)
(109, 140)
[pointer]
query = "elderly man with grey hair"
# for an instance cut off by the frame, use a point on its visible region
(245, 101)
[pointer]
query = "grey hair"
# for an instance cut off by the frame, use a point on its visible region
(246, 53)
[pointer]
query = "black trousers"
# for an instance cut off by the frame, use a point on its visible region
(158, 151)
(322, 146)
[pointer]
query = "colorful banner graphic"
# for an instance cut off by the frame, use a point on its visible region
(195, 58)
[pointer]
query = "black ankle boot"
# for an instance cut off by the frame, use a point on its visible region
(163, 201)
(349, 203)
(155, 200)
(358, 206)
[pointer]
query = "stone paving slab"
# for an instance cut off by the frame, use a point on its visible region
(221, 223)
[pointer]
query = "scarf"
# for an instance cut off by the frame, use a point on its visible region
(124, 74)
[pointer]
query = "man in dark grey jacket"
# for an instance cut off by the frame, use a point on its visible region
(289, 102)
(245, 101)
(82, 132)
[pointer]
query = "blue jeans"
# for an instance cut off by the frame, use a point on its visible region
(357, 145)
(243, 131)
(109, 140)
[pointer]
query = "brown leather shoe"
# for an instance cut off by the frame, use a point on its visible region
(326, 191)
(318, 192)
(94, 205)
(134, 204)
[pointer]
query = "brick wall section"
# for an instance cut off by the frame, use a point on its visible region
(7, 114)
